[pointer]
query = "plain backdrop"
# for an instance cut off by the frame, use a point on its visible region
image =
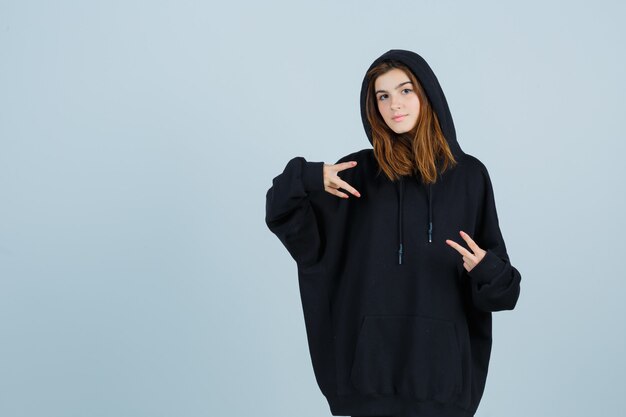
(138, 140)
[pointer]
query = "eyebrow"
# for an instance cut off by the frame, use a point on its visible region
(398, 86)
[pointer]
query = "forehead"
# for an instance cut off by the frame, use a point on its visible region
(390, 79)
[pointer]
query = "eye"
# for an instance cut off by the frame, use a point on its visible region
(382, 97)
(407, 89)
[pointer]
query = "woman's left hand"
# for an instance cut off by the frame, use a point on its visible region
(469, 259)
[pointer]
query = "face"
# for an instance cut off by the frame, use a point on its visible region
(397, 100)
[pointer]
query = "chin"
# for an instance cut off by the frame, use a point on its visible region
(398, 130)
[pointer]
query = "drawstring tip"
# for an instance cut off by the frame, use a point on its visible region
(430, 231)
(400, 251)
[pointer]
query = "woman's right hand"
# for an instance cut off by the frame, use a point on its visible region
(332, 182)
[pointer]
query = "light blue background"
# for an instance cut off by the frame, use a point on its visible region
(138, 139)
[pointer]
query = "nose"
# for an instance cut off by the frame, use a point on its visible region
(395, 102)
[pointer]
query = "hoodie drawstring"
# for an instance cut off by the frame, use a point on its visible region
(400, 185)
(400, 207)
(430, 213)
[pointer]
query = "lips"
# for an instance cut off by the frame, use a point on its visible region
(399, 118)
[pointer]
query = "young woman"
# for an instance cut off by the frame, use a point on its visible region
(400, 272)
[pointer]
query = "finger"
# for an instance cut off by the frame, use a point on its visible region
(458, 247)
(336, 192)
(469, 260)
(348, 187)
(470, 242)
(344, 165)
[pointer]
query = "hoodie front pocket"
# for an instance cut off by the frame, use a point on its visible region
(414, 356)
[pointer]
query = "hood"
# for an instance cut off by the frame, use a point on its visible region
(429, 82)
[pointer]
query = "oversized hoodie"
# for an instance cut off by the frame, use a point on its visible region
(394, 322)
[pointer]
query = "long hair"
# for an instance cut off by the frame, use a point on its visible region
(423, 150)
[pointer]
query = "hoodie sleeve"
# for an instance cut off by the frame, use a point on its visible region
(289, 213)
(495, 282)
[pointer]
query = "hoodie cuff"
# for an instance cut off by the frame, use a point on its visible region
(313, 176)
(487, 268)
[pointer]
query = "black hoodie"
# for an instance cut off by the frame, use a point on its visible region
(395, 324)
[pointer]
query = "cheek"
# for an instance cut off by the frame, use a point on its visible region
(381, 110)
(415, 104)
